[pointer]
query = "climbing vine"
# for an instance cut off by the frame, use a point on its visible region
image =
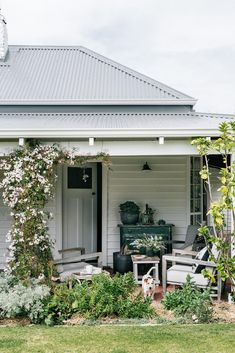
(28, 184)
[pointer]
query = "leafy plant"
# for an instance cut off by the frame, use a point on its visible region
(124, 250)
(190, 302)
(223, 237)
(129, 207)
(60, 305)
(103, 296)
(154, 242)
(18, 300)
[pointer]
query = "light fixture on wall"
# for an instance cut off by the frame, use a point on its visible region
(146, 168)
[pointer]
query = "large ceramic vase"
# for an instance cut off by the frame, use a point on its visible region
(122, 263)
(129, 218)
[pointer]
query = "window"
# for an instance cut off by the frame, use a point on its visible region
(197, 198)
(79, 178)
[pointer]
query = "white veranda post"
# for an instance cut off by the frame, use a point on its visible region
(232, 219)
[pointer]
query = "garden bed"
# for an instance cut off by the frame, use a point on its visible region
(105, 300)
(16, 321)
(223, 313)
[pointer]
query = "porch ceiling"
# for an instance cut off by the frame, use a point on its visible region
(105, 125)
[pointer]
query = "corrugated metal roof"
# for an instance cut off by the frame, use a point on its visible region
(76, 75)
(108, 124)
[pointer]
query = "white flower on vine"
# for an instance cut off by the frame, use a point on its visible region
(8, 236)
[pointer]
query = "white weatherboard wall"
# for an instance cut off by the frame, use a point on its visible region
(165, 189)
(5, 225)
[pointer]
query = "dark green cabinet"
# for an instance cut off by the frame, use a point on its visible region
(128, 233)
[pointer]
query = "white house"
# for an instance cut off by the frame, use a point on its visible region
(78, 98)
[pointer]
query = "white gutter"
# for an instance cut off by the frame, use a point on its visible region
(83, 102)
(105, 133)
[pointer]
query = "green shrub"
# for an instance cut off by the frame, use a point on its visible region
(17, 299)
(103, 296)
(190, 302)
(136, 308)
(129, 207)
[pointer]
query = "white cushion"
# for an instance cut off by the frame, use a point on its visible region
(81, 268)
(73, 267)
(178, 274)
(183, 268)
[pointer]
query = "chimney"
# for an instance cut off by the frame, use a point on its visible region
(3, 37)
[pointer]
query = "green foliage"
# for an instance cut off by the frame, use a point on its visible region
(129, 207)
(154, 242)
(190, 302)
(17, 299)
(103, 296)
(59, 306)
(219, 209)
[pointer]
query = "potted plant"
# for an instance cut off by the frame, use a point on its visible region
(150, 244)
(129, 212)
(147, 215)
(122, 261)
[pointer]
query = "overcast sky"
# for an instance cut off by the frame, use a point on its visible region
(187, 44)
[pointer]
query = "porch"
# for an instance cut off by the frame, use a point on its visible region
(89, 217)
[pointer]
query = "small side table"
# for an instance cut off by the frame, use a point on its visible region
(139, 260)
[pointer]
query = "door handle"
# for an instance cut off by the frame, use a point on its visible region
(93, 193)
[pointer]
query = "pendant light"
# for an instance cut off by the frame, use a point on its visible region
(146, 168)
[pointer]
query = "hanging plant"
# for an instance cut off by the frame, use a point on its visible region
(28, 184)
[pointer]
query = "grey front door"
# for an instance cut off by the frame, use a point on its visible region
(80, 207)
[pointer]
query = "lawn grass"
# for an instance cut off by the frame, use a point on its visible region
(214, 338)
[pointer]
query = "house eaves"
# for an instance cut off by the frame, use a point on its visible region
(95, 102)
(107, 134)
(110, 125)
